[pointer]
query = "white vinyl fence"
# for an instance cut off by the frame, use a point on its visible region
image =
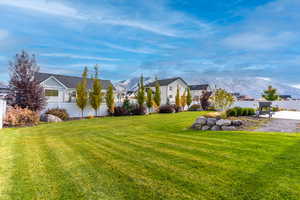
(2, 111)
(289, 105)
(74, 111)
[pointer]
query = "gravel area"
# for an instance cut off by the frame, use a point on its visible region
(281, 125)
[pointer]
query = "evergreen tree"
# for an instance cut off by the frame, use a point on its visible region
(126, 104)
(183, 100)
(95, 94)
(157, 98)
(82, 92)
(189, 97)
(149, 99)
(110, 99)
(26, 89)
(177, 98)
(141, 92)
(270, 94)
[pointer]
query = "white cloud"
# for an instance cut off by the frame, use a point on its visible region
(66, 55)
(296, 86)
(44, 6)
(133, 50)
(3, 34)
(258, 41)
(163, 22)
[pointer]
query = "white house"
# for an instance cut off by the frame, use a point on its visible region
(60, 91)
(168, 88)
(197, 91)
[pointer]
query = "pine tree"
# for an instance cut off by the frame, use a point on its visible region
(95, 94)
(26, 90)
(183, 100)
(177, 98)
(149, 99)
(270, 94)
(141, 92)
(110, 99)
(82, 92)
(189, 97)
(157, 98)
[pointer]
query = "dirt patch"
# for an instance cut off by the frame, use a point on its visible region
(250, 123)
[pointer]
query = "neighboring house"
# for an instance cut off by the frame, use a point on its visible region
(4, 90)
(197, 91)
(60, 91)
(285, 97)
(60, 88)
(168, 88)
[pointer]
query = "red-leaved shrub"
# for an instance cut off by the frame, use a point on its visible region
(17, 116)
(166, 109)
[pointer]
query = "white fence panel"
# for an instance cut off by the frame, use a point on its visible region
(290, 105)
(74, 111)
(2, 111)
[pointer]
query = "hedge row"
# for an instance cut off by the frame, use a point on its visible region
(238, 111)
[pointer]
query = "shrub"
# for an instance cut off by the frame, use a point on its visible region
(195, 107)
(213, 115)
(177, 108)
(120, 111)
(58, 112)
(17, 116)
(166, 109)
(138, 110)
(238, 111)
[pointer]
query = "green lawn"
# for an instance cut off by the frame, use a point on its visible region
(146, 157)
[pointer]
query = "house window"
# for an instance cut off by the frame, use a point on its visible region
(170, 88)
(51, 93)
(170, 96)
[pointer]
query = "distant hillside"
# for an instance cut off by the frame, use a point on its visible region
(251, 86)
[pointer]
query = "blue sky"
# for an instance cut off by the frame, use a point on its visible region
(162, 38)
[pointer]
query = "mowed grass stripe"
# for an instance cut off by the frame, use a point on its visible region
(116, 173)
(83, 174)
(6, 165)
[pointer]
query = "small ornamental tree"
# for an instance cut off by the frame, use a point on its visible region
(95, 94)
(157, 98)
(189, 97)
(270, 94)
(204, 99)
(110, 99)
(183, 100)
(141, 92)
(222, 99)
(177, 98)
(149, 99)
(82, 92)
(25, 88)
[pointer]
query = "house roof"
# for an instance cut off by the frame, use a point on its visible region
(198, 87)
(70, 81)
(165, 82)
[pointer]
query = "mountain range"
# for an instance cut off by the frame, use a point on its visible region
(250, 86)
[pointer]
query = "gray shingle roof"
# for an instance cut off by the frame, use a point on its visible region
(198, 87)
(70, 81)
(164, 82)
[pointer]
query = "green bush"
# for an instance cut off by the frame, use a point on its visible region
(238, 111)
(58, 112)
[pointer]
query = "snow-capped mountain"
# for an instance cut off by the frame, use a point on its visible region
(250, 86)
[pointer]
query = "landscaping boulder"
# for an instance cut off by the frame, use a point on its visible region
(223, 122)
(197, 126)
(201, 120)
(50, 118)
(237, 122)
(205, 128)
(216, 128)
(211, 122)
(228, 128)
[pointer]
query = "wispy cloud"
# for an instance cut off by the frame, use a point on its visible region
(165, 22)
(3, 34)
(44, 6)
(128, 49)
(66, 55)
